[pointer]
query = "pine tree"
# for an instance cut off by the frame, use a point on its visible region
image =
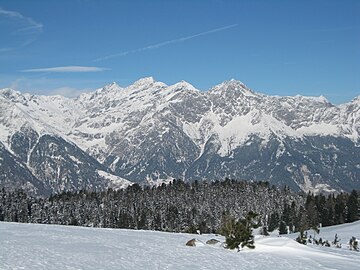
(283, 228)
(316, 230)
(340, 209)
(273, 221)
(312, 213)
(264, 231)
(239, 233)
(302, 220)
(353, 207)
(229, 230)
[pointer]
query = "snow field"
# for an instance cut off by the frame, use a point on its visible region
(34, 246)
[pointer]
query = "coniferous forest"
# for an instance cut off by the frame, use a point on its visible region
(183, 207)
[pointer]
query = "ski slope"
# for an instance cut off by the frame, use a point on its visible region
(34, 246)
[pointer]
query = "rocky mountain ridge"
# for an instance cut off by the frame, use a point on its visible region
(150, 131)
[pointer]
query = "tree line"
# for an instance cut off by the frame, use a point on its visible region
(317, 211)
(182, 207)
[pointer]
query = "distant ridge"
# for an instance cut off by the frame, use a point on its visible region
(151, 132)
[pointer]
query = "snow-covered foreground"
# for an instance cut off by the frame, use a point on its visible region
(33, 246)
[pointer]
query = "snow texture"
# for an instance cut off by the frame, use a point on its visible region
(32, 246)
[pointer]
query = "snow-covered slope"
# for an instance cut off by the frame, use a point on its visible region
(44, 114)
(344, 233)
(153, 131)
(31, 246)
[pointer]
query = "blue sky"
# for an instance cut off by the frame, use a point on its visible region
(275, 47)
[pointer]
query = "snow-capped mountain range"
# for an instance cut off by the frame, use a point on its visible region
(150, 132)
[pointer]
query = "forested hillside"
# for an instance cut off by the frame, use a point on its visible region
(182, 207)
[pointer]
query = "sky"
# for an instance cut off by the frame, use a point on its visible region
(278, 47)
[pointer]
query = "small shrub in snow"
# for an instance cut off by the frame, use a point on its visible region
(354, 244)
(336, 241)
(302, 238)
(239, 233)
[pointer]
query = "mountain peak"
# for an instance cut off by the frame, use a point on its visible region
(323, 99)
(236, 84)
(12, 95)
(233, 86)
(112, 86)
(9, 92)
(183, 85)
(144, 81)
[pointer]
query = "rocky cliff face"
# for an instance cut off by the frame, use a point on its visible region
(150, 131)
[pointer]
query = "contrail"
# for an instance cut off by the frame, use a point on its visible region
(29, 28)
(164, 43)
(31, 23)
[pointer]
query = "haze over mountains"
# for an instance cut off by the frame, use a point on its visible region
(150, 131)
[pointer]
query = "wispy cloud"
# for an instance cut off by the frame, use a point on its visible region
(165, 43)
(31, 23)
(66, 69)
(5, 49)
(21, 30)
(44, 85)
